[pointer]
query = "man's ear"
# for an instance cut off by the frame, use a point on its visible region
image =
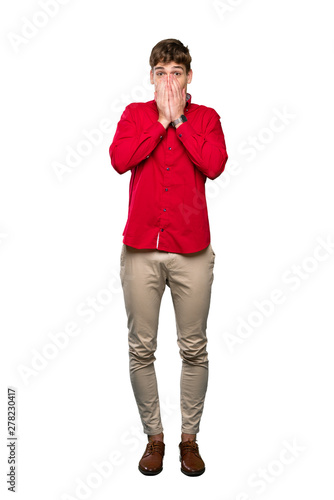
(151, 77)
(190, 76)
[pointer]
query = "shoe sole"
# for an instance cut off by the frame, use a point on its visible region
(193, 473)
(149, 473)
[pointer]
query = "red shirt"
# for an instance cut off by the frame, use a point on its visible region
(167, 205)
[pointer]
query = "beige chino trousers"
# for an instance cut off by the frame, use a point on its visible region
(144, 274)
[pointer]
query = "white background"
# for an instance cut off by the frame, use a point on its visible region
(60, 243)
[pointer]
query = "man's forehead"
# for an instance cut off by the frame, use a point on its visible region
(171, 65)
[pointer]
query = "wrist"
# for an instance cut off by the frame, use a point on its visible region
(177, 116)
(178, 121)
(163, 122)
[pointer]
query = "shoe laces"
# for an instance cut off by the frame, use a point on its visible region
(153, 446)
(189, 446)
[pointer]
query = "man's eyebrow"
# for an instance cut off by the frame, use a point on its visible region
(161, 67)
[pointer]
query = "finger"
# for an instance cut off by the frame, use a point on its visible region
(164, 85)
(171, 95)
(160, 88)
(160, 82)
(164, 92)
(175, 89)
(176, 82)
(180, 92)
(174, 79)
(169, 85)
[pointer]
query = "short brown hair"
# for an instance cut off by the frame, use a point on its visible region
(170, 50)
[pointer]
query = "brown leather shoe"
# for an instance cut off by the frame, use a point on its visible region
(191, 461)
(151, 461)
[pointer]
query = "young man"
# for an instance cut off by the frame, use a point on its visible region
(171, 146)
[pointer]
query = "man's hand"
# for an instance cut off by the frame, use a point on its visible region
(161, 98)
(177, 98)
(170, 99)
